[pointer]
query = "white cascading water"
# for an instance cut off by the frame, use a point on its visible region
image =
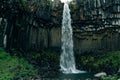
(67, 61)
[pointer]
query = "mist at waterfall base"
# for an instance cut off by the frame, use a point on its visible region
(67, 61)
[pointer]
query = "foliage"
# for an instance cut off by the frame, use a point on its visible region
(108, 62)
(115, 77)
(12, 67)
(45, 59)
(46, 56)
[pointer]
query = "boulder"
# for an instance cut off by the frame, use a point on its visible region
(101, 74)
(119, 70)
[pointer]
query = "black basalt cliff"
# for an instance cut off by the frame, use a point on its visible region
(32, 25)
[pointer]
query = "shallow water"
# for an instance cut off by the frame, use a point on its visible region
(61, 76)
(80, 76)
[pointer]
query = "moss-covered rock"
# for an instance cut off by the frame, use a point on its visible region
(107, 62)
(46, 58)
(111, 77)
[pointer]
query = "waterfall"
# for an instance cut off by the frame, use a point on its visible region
(4, 35)
(67, 61)
(5, 41)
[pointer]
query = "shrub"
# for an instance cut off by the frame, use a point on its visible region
(108, 62)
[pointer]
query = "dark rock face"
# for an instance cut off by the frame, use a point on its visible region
(102, 41)
(36, 24)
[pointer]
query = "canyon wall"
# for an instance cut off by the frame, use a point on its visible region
(36, 24)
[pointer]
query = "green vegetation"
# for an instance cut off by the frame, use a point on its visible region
(73, 7)
(12, 67)
(48, 55)
(115, 77)
(108, 62)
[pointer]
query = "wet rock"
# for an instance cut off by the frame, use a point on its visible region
(119, 70)
(101, 74)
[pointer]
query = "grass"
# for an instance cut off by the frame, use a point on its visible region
(12, 67)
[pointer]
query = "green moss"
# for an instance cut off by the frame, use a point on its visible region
(52, 55)
(108, 62)
(3, 54)
(46, 4)
(114, 77)
(12, 66)
(73, 7)
(47, 54)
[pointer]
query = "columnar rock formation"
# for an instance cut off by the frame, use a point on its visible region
(36, 24)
